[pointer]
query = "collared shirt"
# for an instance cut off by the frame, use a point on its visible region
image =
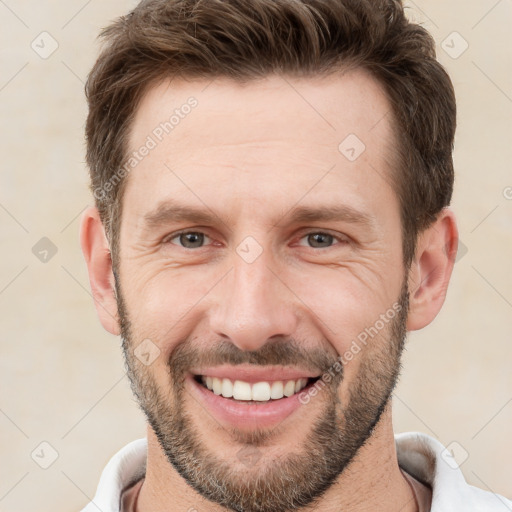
(420, 456)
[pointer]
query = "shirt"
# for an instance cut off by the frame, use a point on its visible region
(420, 456)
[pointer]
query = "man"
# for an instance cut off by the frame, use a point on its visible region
(272, 181)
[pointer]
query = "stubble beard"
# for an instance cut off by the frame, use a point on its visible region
(296, 480)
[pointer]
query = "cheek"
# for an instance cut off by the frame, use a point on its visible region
(344, 302)
(163, 304)
(168, 304)
(354, 313)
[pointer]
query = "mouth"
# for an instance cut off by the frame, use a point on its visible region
(248, 397)
(254, 392)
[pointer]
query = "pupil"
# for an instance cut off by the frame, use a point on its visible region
(317, 239)
(191, 239)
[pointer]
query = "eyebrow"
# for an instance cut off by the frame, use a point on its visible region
(344, 213)
(170, 211)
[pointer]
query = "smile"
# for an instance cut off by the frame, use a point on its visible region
(248, 397)
(256, 392)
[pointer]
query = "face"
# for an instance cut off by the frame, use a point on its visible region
(260, 257)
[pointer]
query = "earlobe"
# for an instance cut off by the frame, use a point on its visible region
(431, 270)
(96, 252)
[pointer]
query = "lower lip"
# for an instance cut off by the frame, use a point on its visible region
(245, 414)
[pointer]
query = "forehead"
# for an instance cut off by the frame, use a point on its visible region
(222, 137)
(343, 101)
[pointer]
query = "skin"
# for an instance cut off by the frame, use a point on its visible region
(250, 154)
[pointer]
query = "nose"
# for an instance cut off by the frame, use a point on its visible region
(252, 305)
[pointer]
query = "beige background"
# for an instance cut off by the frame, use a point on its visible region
(61, 376)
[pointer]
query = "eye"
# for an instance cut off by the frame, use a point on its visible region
(188, 239)
(197, 239)
(321, 240)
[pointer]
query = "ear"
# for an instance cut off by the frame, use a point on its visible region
(96, 252)
(431, 270)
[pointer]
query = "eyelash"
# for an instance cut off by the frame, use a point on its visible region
(342, 240)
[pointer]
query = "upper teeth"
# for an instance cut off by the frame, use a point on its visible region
(260, 391)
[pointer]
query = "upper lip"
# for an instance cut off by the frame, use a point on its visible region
(252, 373)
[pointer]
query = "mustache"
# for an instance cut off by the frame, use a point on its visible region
(276, 352)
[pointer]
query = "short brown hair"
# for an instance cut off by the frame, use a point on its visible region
(250, 39)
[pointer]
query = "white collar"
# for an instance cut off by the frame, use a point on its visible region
(420, 455)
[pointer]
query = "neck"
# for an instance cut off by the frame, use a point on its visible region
(373, 481)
